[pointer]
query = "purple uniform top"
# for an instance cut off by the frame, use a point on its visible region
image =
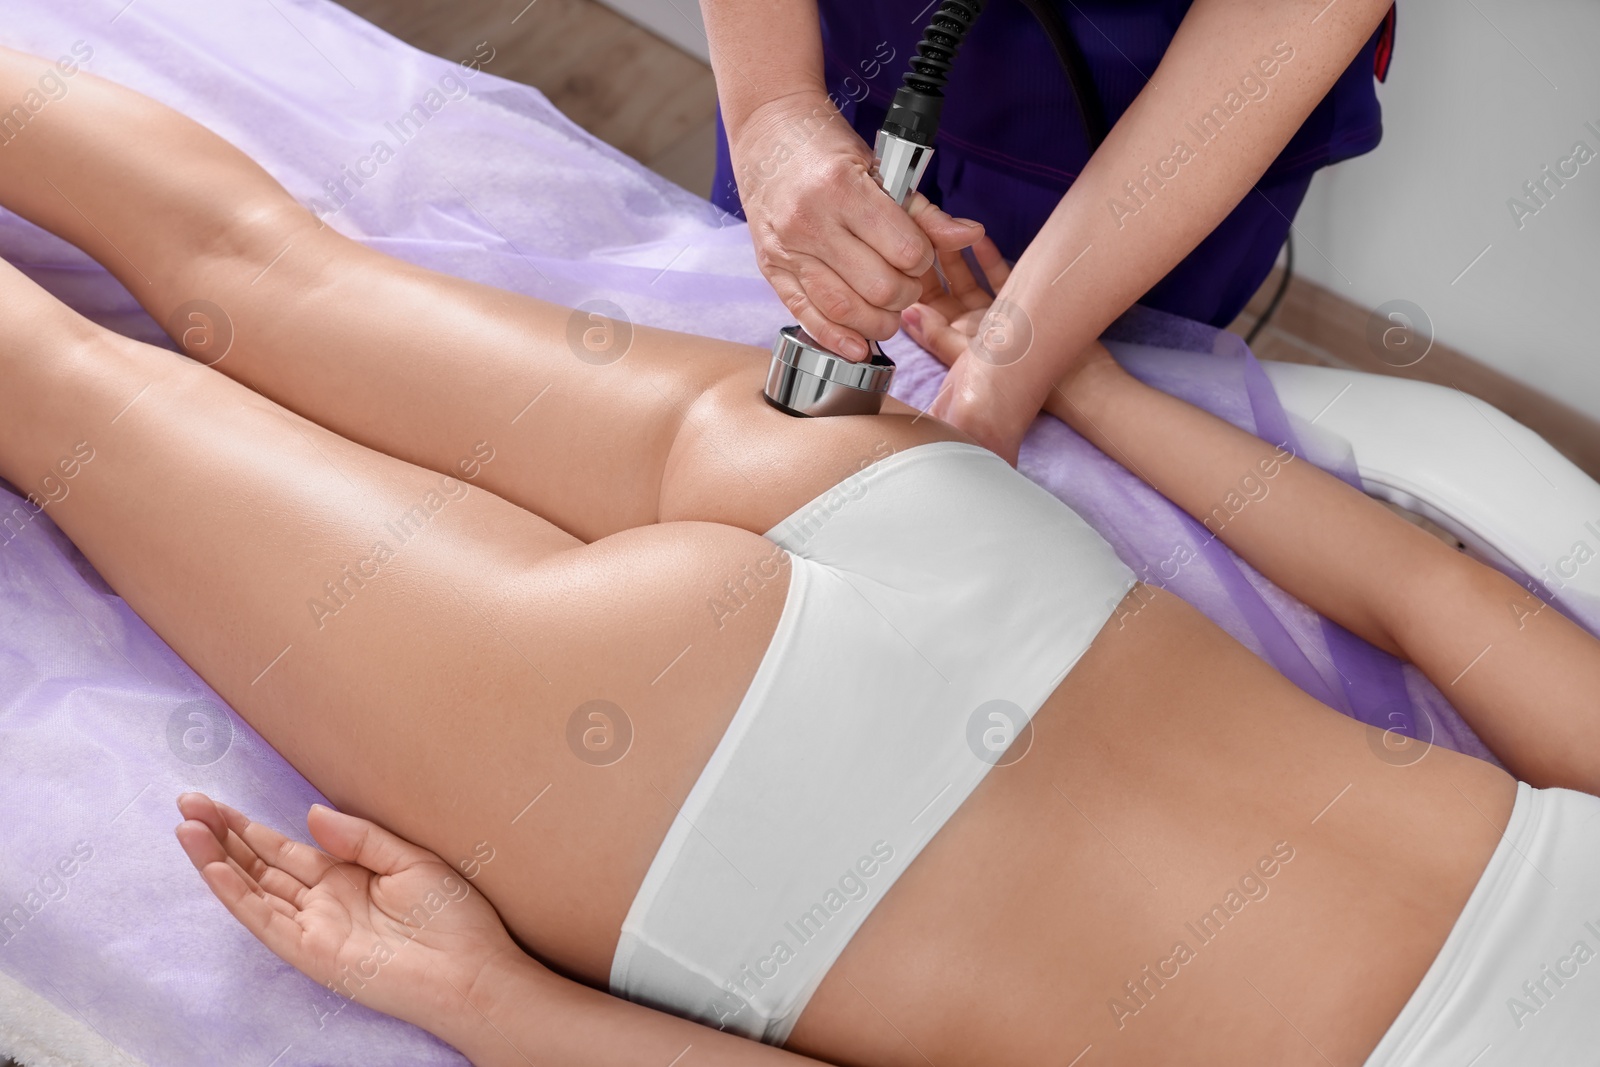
(1011, 140)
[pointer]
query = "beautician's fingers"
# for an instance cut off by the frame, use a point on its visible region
(878, 285)
(946, 232)
(360, 841)
(836, 299)
(817, 322)
(872, 215)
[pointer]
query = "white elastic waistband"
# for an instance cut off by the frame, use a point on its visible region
(1518, 979)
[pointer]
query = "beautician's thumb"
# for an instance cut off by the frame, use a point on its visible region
(946, 232)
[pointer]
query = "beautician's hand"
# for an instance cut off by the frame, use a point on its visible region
(376, 919)
(841, 255)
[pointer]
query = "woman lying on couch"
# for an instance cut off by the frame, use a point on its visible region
(803, 647)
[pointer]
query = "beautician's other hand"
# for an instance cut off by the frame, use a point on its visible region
(377, 919)
(841, 255)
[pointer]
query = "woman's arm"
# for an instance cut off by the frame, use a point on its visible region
(1525, 677)
(383, 922)
(1238, 80)
(519, 1007)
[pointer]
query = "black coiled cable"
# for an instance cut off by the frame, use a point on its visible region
(914, 113)
(940, 41)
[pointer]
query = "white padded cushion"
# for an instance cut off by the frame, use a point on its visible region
(1452, 458)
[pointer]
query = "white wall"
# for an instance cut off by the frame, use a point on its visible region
(1481, 96)
(677, 20)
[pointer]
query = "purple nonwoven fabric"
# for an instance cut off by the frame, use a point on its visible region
(101, 725)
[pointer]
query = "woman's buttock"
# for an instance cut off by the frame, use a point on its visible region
(1192, 855)
(571, 768)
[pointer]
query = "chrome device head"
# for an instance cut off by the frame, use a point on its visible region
(807, 380)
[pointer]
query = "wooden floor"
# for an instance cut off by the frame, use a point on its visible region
(622, 83)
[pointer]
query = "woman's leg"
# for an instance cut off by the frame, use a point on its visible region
(422, 366)
(418, 648)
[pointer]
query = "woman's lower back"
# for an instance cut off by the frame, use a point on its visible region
(1193, 862)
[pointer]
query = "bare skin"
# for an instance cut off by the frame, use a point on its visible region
(578, 566)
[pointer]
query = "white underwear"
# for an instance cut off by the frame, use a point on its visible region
(1518, 980)
(936, 599)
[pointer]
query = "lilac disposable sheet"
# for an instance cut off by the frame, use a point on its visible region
(102, 725)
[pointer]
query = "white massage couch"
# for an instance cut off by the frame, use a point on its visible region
(1494, 484)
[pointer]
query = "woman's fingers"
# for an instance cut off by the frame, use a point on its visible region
(966, 291)
(204, 849)
(929, 327)
(203, 809)
(293, 858)
(278, 931)
(204, 836)
(265, 858)
(995, 268)
(932, 287)
(359, 841)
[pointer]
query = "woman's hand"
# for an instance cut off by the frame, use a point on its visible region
(945, 322)
(967, 330)
(376, 919)
(841, 255)
(970, 332)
